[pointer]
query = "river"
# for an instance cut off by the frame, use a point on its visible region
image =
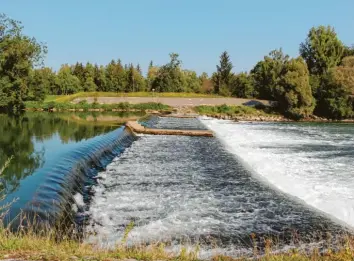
(219, 191)
(291, 182)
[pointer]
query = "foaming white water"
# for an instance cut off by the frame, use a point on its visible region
(313, 162)
(191, 191)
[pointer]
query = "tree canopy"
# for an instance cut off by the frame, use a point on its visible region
(18, 55)
(293, 91)
(322, 77)
(335, 98)
(322, 50)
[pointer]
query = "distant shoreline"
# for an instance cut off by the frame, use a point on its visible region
(250, 118)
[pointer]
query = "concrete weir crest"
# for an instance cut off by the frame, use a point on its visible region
(135, 127)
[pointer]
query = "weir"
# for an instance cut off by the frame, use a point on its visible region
(137, 128)
(49, 198)
(192, 190)
(176, 189)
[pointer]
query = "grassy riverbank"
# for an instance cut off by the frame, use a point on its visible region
(85, 106)
(257, 113)
(67, 98)
(235, 110)
(30, 246)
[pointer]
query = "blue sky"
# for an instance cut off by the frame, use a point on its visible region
(138, 31)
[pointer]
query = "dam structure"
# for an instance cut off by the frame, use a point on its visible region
(55, 189)
(193, 190)
(176, 189)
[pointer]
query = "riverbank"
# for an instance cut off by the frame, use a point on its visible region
(255, 114)
(29, 246)
(258, 113)
(55, 106)
(33, 247)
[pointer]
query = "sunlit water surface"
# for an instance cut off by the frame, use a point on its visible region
(312, 161)
(204, 190)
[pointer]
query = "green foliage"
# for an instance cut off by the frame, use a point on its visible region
(334, 95)
(78, 70)
(315, 83)
(286, 81)
(18, 54)
(151, 76)
(100, 78)
(169, 77)
(267, 73)
(42, 82)
(231, 110)
(85, 106)
(224, 90)
(89, 85)
(293, 92)
(135, 80)
(66, 82)
(191, 81)
(242, 86)
(275, 78)
(223, 74)
(115, 77)
(322, 49)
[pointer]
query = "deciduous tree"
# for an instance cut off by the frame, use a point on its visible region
(266, 74)
(335, 94)
(18, 54)
(293, 92)
(242, 86)
(322, 50)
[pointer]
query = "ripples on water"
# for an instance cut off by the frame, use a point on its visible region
(174, 123)
(192, 189)
(313, 162)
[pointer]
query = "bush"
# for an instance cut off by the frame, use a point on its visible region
(83, 105)
(230, 110)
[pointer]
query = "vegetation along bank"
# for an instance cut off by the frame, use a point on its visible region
(319, 82)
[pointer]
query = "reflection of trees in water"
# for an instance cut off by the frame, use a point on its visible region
(15, 140)
(17, 137)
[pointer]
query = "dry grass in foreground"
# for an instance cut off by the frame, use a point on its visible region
(27, 245)
(30, 246)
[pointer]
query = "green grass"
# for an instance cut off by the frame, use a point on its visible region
(66, 98)
(50, 98)
(85, 106)
(234, 110)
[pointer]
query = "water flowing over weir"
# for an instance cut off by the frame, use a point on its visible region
(193, 190)
(312, 161)
(66, 182)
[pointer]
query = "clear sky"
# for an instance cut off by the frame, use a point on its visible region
(138, 31)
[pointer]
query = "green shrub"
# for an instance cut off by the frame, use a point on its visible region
(232, 110)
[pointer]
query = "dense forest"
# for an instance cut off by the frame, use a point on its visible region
(320, 81)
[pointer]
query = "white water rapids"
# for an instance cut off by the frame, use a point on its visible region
(188, 190)
(313, 162)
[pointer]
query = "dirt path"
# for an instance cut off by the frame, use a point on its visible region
(176, 102)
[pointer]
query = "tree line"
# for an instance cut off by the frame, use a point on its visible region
(320, 81)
